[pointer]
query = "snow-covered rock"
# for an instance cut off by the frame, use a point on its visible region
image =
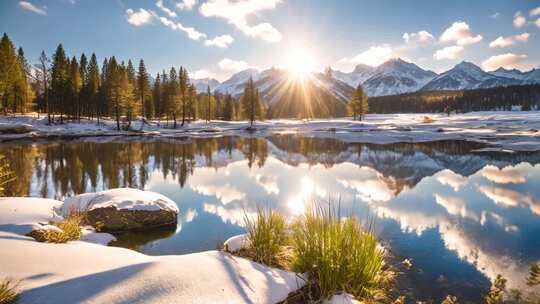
(6, 128)
(236, 243)
(342, 298)
(123, 209)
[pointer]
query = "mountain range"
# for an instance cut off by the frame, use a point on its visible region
(393, 77)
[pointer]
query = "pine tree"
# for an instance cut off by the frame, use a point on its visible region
(250, 100)
(157, 96)
(75, 85)
(45, 78)
(59, 81)
(114, 89)
(358, 104)
(92, 86)
(208, 103)
(192, 102)
(143, 91)
(83, 71)
(23, 92)
(172, 95)
(228, 108)
(183, 83)
(8, 70)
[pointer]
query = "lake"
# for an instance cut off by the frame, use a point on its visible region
(462, 216)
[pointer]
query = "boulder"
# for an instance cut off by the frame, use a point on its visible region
(124, 209)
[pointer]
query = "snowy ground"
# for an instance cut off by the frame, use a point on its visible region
(518, 131)
(84, 272)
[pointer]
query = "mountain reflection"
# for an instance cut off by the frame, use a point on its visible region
(458, 214)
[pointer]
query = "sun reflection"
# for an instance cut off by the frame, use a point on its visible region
(297, 204)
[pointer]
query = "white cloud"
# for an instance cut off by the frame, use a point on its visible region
(30, 7)
(222, 41)
(186, 4)
(495, 15)
(537, 22)
(519, 20)
(507, 61)
(166, 10)
(192, 33)
(139, 18)
(460, 33)
(510, 40)
(450, 52)
(200, 74)
(374, 56)
(236, 13)
(535, 11)
(230, 65)
(421, 37)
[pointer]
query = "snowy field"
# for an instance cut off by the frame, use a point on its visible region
(86, 272)
(513, 131)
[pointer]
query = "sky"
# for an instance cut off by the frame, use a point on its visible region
(216, 38)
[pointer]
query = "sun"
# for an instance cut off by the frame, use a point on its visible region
(299, 62)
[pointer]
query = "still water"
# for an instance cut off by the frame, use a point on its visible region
(461, 216)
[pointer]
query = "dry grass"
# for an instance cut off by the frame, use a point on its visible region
(8, 292)
(428, 119)
(70, 230)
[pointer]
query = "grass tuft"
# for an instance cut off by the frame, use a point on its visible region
(337, 254)
(70, 230)
(8, 292)
(267, 237)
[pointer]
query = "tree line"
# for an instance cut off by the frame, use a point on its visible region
(71, 88)
(526, 97)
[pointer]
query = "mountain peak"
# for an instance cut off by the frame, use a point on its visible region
(362, 68)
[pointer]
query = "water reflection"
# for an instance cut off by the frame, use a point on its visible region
(462, 217)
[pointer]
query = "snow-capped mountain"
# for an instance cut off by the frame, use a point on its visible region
(360, 74)
(513, 73)
(235, 84)
(397, 76)
(202, 84)
(466, 75)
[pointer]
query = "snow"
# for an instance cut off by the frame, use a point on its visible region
(121, 199)
(342, 298)
(236, 243)
(22, 215)
(84, 272)
(516, 130)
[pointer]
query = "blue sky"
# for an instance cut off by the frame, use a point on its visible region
(220, 37)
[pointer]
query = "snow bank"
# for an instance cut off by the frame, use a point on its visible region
(83, 272)
(518, 131)
(236, 243)
(80, 272)
(22, 214)
(121, 199)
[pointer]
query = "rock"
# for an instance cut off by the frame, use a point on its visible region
(113, 220)
(15, 128)
(236, 243)
(124, 209)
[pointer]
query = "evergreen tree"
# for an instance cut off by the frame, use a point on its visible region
(192, 102)
(75, 85)
(157, 96)
(143, 91)
(23, 92)
(208, 103)
(114, 89)
(45, 78)
(172, 95)
(92, 84)
(228, 108)
(358, 104)
(8, 67)
(59, 81)
(83, 98)
(250, 100)
(183, 83)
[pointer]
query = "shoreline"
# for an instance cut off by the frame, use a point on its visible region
(497, 130)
